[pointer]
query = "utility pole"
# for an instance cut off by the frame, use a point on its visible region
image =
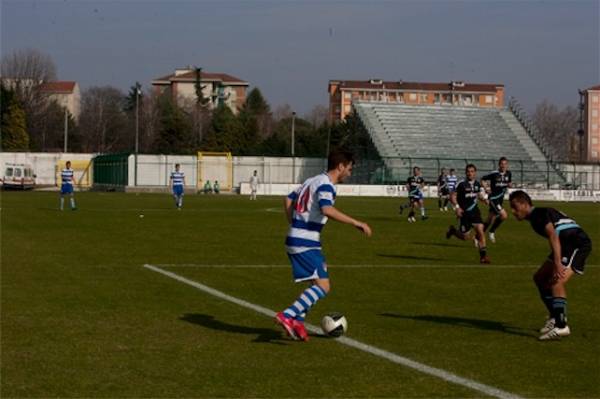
(293, 148)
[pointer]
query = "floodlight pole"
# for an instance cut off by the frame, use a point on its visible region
(66, 129)
(293, 148)
(137, 130)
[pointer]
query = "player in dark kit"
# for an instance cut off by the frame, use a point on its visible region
(468, 192)
(414, 185)
(570, 247)
(443, 193)
(499, 182)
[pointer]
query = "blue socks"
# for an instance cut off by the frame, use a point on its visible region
(305, 301)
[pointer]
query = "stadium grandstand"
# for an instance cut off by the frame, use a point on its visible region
(432, 135)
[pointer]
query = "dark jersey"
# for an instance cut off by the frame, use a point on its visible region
(414, 184)
(467, 193)
(540, 217)
(442, 181)
(499, 183)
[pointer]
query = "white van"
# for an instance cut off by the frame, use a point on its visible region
(18, 176)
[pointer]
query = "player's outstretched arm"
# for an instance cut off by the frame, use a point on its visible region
(341, 217)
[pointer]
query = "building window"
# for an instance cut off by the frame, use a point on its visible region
(412, 96)
(594, 154)
(447, 99)
(400, 97)
(594, 99)
(594, 126)
(594, 140)
(424, 98)
(488, 99)
(594, 113)
(347, 95)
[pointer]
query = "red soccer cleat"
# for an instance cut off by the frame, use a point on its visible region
(300, 330)
(287, 324)
(485, 260)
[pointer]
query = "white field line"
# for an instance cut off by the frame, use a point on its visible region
(474, 266)
(423, 368)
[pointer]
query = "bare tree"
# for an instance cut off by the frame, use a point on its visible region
(557, 126)
(103, 123)
(317, 115)
(282, 112)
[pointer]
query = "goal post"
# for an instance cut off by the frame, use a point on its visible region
(82, 172)
(215, 166)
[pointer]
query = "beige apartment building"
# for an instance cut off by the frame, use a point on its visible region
(343, 92)
(591, 124)
(219, 88)
(65, 93)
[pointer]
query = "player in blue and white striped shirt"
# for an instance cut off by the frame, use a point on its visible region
(66, 187)
(177, 185)
(451, 183)
(308, 209)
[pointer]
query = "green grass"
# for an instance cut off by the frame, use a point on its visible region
(81, 317)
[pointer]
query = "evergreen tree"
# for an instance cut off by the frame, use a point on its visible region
(225, 132)
(13, 125)
(175, 133)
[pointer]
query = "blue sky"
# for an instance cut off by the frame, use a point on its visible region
(290, 50)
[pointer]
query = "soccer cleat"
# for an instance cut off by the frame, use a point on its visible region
(450, 232)
(287, 324)
(485, 260)
(300, 330)
(441, 209)
(492, 237)
(424, 217)
(548, 325)
(555, 333)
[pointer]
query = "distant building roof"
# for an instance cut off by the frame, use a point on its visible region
(190, 76)
(58, 87)
(597, 87)
(421, 86)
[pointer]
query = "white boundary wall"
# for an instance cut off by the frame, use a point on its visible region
(43, 163)
(275, 174)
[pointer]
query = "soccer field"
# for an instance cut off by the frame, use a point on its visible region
(83, 317)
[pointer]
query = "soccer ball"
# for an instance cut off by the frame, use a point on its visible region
(334, 324)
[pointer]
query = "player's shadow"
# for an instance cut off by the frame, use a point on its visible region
(412, 257)
(263, 335)
(488, 325)
(438, 244)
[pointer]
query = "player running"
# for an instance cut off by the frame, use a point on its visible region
(442, 189)
(414, 185)
(499, 182)
(570, 247)
(66, 187)
(307, 210)
(465, 204)
(177, 185)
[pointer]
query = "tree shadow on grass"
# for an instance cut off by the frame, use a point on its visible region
(487, 325)
(263, 335)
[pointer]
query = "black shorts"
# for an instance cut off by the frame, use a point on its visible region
(496, 205)
(575, 247)
(468, 219)
(444, 192)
